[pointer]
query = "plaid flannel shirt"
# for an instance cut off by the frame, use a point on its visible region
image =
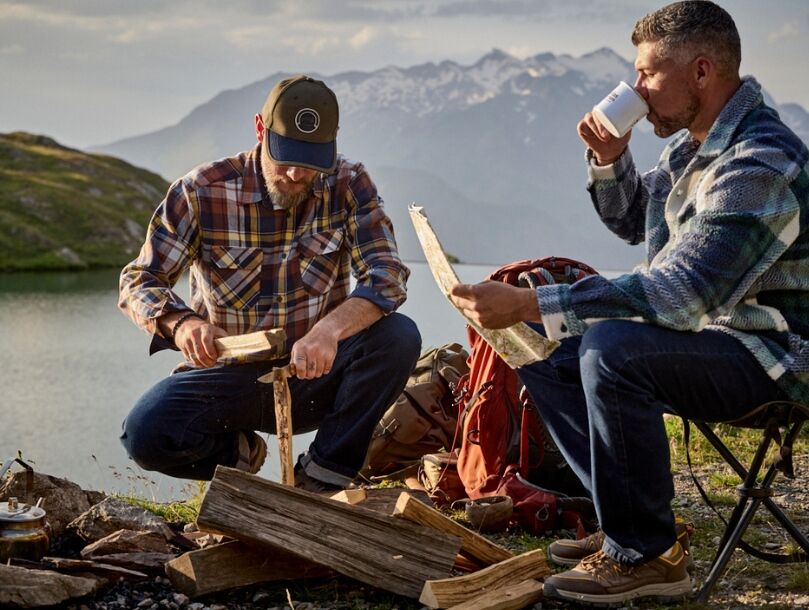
(254, 266)
(726, 226)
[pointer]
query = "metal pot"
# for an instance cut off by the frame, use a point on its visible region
(24, 532)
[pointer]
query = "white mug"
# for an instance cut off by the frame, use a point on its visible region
(621, 109)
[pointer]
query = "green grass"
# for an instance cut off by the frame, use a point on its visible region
(55, 200)
(181, 511)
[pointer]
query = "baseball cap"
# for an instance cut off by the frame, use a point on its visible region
(301, 118)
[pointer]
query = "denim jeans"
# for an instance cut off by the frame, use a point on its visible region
(602, 397)
(189, 422)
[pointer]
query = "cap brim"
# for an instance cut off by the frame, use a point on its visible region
(286, 151)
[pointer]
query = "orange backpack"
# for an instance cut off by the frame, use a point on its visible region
(504, 449)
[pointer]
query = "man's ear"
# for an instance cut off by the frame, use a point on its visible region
(259, 128)
(703, 71)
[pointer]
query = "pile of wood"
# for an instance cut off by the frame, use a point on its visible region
(395, 543)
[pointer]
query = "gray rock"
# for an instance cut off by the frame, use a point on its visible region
(112, 515)
(181, 599)
(63, 499)
(126, 541)
(35, 588)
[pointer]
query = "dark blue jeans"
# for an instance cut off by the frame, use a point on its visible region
(189, 422)
(602, 397)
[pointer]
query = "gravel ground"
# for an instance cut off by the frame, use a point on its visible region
(748, 583)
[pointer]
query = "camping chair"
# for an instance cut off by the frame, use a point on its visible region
(772, 418)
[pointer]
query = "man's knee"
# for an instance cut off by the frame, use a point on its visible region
(614, 340)
(615, 351)
(141, 432)
(399, 335)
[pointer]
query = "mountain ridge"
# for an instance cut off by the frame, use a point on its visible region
(496, 138)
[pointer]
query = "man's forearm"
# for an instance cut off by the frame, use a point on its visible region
(349, 318)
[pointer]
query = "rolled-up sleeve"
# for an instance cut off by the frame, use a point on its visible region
(381, 276)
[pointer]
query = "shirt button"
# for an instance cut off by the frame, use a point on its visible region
(679, 192)
(279, 299)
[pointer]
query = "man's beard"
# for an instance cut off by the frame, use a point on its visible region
(286, 201)
(667, 126)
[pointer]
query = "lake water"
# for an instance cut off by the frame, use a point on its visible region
(71, 367)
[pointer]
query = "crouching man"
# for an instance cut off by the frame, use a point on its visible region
(271, 237)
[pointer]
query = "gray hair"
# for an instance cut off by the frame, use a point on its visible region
(683, 30)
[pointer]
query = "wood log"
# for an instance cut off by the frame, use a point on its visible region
(513, 597)
(378, 550)
(473, 545)
(236, 564)
(452, 591)
(268, 343)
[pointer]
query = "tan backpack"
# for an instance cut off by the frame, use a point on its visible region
(423, 419)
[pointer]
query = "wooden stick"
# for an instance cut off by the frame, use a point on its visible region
(236, 346)
(378, 550)
(452, 591)
(236, 564)
(283, 419)
(513, 597)
(473, 545)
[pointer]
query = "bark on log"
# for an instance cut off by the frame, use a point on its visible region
(452, 591)
(381, 551)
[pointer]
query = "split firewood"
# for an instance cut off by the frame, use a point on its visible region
(453, 591)
(473, 545)
(378, 550)
(350, 496)
(513, 597)
(268, 343)
(236, 564)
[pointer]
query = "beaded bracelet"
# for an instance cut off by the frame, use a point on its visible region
(179, 322)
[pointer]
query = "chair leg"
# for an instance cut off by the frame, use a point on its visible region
(752, 495)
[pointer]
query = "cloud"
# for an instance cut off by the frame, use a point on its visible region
(362, 38)
(789, 30)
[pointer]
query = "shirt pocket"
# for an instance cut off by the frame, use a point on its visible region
(319, 257)
(235, 276)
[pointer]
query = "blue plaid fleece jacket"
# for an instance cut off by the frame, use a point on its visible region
(726, 226)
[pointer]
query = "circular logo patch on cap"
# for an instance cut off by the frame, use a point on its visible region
(307, 120)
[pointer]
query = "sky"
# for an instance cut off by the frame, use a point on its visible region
(88, 72)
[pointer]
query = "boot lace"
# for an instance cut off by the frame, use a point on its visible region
(603, 568)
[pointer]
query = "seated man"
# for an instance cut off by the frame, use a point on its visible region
(714, 323)
(271, 237)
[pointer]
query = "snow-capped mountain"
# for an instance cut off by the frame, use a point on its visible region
(489, 149)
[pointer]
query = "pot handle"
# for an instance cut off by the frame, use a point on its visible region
(29, 475)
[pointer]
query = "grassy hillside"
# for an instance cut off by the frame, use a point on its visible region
(65, 209)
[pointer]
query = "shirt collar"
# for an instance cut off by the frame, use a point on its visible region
(253, 189)
(747, 98)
